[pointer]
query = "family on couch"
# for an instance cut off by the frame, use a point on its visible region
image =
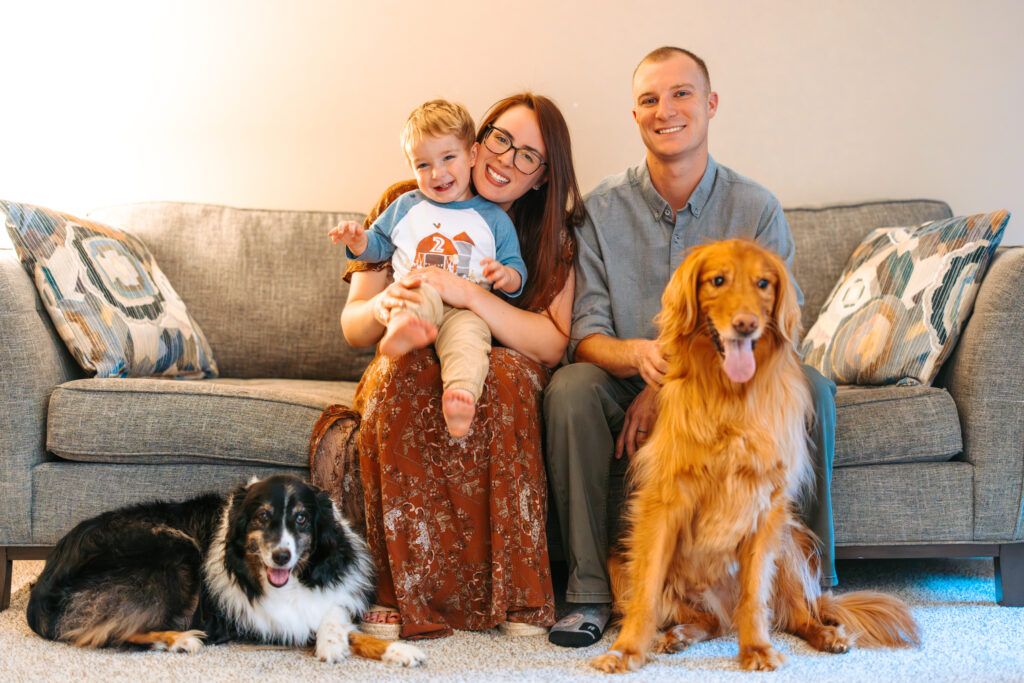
(457, 525)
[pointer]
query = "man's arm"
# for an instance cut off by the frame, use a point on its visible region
(624, 357)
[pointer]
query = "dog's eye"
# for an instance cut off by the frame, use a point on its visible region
(263, 515)
(718, 281)
(301, 519)
(763, 283)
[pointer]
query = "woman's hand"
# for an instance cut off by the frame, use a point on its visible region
(454, 290)
(396, 295)
(639, 421)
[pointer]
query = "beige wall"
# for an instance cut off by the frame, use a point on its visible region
(298, 104)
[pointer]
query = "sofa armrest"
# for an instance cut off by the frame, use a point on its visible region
(985, 376)
(33, 360)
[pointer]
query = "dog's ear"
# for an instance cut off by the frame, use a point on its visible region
(680, 308)
(787, 308)
(234, 544)
(331, 548)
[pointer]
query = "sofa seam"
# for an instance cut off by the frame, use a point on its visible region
(153, 454)
(175, 393)
(872, 202)
(896, 398)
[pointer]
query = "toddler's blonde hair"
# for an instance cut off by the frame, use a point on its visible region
(436, 118)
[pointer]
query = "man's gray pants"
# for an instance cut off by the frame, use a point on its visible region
(584, 410)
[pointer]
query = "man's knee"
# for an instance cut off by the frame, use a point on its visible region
(573, 388)
(574, 416)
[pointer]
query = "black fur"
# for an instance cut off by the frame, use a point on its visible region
(150, 560)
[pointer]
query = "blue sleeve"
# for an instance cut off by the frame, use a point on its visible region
(379, 246)
(506, 246)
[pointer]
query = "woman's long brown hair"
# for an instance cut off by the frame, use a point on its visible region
(546, 219)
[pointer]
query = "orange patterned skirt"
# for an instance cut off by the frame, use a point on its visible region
(456, 526)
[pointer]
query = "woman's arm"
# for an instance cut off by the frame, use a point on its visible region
(535, 335)
(358, 323)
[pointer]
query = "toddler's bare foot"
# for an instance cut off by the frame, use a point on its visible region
(459, 408)
(405, 333)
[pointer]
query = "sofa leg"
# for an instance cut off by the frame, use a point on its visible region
(6, 569)
(1009, 567)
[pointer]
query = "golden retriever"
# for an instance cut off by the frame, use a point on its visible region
(713, 541)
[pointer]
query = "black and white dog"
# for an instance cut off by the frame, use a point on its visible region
(272, 562)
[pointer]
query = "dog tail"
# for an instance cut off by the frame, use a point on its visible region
(874, 619)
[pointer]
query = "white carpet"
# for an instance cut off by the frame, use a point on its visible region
(966, 637)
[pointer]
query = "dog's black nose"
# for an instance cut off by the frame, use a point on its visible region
(281, 557)
(745, 323)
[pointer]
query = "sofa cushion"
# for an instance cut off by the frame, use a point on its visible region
(266, 284)
(893, 424)
(896, 312)
(913, 503)
(150, 421)
(108, 298)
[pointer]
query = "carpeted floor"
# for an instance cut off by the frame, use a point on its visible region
(967, 637)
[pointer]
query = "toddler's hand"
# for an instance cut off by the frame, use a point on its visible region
(501, 277)
(351, 234)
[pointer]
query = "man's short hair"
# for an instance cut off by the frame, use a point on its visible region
(435, 119)
(666, 52)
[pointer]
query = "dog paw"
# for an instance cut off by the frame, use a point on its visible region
(760, 658)
(332, 642)
(615, 662)
(186, 641)
(404, 654)
(678, 638)
(331, 650)
(833, 639)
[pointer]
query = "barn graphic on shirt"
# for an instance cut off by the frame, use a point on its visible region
(464, 245)
(452, 255)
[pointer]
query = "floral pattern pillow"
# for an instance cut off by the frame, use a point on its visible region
(896, 313)
(107, 297)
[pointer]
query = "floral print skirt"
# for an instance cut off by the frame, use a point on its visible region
(456, 526)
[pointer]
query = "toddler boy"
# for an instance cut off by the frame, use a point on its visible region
(442, 224)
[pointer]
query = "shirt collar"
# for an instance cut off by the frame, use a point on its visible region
(660, 208)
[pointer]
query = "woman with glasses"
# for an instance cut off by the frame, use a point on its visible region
(457, 526)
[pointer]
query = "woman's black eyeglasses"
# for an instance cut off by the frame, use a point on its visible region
(499, 142)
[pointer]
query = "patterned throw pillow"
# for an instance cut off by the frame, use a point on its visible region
(896, 313)
(110, 302)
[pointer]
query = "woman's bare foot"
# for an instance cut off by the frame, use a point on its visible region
(458, 407)
(405, 333)
(378, 614)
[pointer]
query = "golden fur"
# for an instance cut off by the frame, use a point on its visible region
(713, 542)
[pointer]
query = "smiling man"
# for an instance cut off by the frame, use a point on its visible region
(639, 225)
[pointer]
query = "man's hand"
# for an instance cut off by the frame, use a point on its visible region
(351, 234)
(640, 417)
(649, 362)
(501, 277)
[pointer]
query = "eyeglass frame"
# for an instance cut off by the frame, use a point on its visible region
(487, 132)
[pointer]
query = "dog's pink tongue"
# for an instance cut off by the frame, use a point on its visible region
(278, 577)
(739, 364)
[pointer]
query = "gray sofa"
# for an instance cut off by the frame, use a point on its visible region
(920, 471)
